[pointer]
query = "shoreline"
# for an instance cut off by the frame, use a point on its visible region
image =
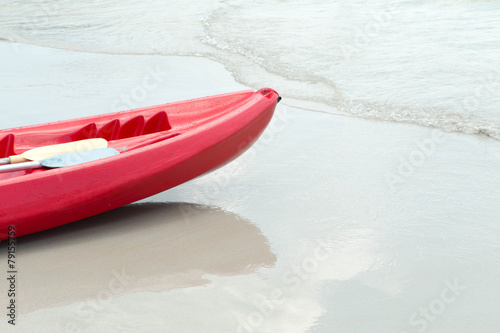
(155, 69)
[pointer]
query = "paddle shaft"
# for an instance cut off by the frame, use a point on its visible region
(14, 159)
(20, 166)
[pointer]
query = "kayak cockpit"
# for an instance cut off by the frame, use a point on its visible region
(122, 133)
(108, 129)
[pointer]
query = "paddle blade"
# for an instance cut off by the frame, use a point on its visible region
(75, 158)
(41, 153)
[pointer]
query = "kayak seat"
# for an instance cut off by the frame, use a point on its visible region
(157, 123)
(7, 146)
(132, 128)
(115, 130)
(87, 132)
(110, 130)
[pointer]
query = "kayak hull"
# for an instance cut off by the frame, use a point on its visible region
(186, 140)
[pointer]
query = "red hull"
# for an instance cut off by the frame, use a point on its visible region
(163, 146)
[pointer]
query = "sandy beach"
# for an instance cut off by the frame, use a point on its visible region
(329, 223)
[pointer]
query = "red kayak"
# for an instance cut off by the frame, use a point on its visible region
(160, 147)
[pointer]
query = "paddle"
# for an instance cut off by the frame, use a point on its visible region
(40, 153)
(63, 160)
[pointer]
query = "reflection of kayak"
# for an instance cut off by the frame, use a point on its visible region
(161, 147)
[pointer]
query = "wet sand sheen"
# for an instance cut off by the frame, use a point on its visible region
(136, 248)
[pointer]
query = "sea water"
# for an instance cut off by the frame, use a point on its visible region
(430, 63)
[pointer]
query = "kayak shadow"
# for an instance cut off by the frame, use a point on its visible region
(150, 247)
